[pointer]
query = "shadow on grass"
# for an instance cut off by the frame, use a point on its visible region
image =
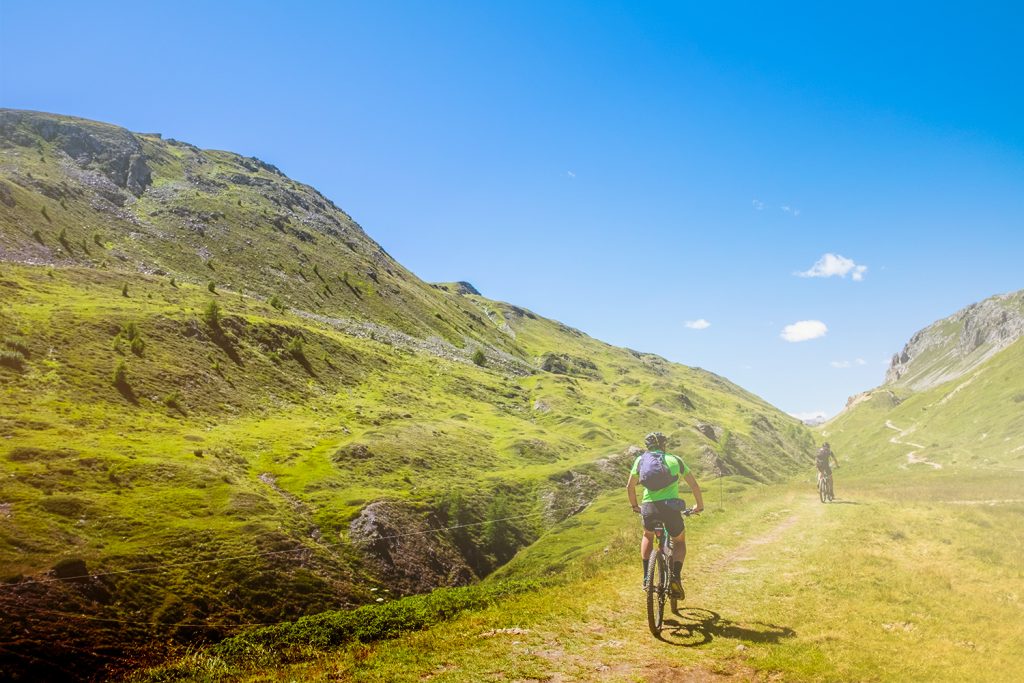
(127, 392)
(301, 359)
(220, 338)
(838, 501)
(696, 626)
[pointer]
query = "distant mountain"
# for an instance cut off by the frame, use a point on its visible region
(952, 347)
(224, 402)
(953, 400)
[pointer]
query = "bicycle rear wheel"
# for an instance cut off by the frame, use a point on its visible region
(822, 489)
(657, 586)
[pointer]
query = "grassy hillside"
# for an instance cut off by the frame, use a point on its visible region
(960, 428)
(210, 418)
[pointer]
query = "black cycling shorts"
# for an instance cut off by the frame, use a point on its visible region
(669, 512)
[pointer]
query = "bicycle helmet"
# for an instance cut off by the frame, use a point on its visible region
(655, 441)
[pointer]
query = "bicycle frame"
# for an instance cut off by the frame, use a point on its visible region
(658, 572)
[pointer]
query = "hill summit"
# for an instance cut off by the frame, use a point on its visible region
(953, 346)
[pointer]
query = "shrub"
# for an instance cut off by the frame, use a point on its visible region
(173, 400)
(124, 289)
(63, 238)
(479, 358)
(209, 264)
(120, 376)
(46, 215)
(130, 331)
(12, 359)
(174, 283)
(98, 239)
(37, 236)
(211, 286)
(276, 303)
(274, 357)
(211, 314)
(17, 344)
(296, 348)
(137, 346)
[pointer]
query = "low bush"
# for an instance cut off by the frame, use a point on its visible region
(12, 359)
(17, 344)
(364, 624)
(479, 358)
(120, 376)
(296, 348)
(211, 314)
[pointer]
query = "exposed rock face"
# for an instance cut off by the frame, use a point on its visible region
(710, 431)
(952, 347)
(400, 541)
(112, 151)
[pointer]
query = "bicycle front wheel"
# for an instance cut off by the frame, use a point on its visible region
(657, 586)
(822, 489)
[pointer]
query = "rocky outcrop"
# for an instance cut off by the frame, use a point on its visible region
(710, 431)
(406, 550)
(952, 347)
(113, 151)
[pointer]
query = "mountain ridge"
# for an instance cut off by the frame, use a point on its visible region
(951, 347)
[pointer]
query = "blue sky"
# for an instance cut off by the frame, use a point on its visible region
(622, 169)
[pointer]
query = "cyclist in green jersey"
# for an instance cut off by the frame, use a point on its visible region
(664, 505)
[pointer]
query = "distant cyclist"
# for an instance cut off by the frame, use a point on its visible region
(821, 460)
(659, 474)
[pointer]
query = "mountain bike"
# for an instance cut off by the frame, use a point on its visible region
(656, 582)
(825, 490)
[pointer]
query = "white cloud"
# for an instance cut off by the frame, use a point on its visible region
(831, 265)
(758, 205)
(570, 174)
(700, 324)
(860, 361)
(789, 209)
(840, 363)
(804, 330)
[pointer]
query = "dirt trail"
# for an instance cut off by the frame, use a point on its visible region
(615, 626)
(912, 457)
(747, 551)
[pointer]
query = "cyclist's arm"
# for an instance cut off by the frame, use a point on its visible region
(834, 459)
(692, 483)
(631, 492)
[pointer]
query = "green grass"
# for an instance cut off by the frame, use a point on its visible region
(870, 588)
(142, 479)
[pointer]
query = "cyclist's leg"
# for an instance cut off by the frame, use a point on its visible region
(676, 528)
(647, 542)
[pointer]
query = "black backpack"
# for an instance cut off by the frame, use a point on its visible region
(654, 472)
